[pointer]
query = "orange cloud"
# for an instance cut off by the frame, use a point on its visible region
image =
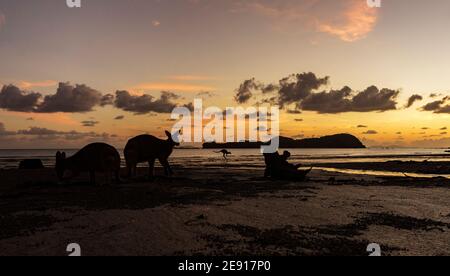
(156, 23)
(357, 20)
(28, 85)
(349, 20)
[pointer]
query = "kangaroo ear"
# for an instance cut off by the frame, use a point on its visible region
(169, 135)
(63, 155)
(58, 155)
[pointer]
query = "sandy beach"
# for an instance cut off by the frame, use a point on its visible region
(225, 211)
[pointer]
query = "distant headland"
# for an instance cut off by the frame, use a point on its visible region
(338, 141)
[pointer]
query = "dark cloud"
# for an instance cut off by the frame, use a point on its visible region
(302, 90)
(39, 132)
(269, 88)
(13, 98)
(120, 117)
(107, 99)
(272, 100)
(73, 99)
(68, 98)
(413, 99)
(373, 99)
(335, 101)
(340, 101)
(432, 106)
(190, 106)
(370, 132)
(206, 94)
(30, 119)
(293, 111)
(441, 106)
(89, 123)
(298, 120)
(145, 104)
(444, 109)
(362, 126)
(245, 91)
(444, 128)
(67, 135)
(297, 87)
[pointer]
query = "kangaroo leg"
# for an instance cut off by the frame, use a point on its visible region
(151, 168)
(133, 170)
(167, 169)
(161, 161)
(117, 175)
(74, 174)
(130, 170)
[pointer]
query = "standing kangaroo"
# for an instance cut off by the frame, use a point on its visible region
(97, 157)
(147, 148)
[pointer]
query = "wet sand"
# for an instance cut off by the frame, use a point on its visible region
(224, 211)
(424, 167)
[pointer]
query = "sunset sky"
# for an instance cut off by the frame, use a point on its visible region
(114, 69)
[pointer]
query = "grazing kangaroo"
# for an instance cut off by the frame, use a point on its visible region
(147, 148)
(97, 157)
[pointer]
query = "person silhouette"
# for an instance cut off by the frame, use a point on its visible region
(278, 167)
(284, 160)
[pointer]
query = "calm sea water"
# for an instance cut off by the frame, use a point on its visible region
(252, 157)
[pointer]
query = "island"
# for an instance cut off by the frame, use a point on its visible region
(338, 141)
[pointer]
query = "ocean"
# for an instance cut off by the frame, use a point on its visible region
(245, 158)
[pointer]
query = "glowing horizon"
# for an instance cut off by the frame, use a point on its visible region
(161, 54)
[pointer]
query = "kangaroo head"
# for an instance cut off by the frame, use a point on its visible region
(170, 140)
(60, 165)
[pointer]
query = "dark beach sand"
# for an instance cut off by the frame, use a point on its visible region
(224, 211)
(425, 167)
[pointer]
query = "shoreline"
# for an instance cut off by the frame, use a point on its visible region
(416, 167)
(225, 211)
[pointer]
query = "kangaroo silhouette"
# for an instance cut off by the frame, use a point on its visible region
(97, 157)
(225, 153)
(148, 148)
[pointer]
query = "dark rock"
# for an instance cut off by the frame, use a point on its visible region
(338, 141)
